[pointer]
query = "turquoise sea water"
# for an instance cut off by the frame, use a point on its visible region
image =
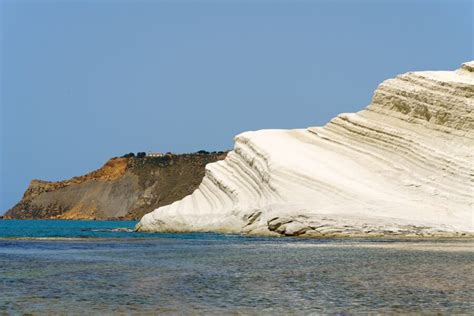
(61, 229)
(97, 267)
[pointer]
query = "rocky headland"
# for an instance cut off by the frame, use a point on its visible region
(403, 166)
(124, 188)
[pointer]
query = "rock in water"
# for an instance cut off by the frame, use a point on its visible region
(402, 166)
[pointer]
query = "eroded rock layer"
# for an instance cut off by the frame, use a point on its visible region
(402, 166)
(125, 188)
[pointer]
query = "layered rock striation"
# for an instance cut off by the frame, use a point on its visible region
(124, 188)
(402, 166)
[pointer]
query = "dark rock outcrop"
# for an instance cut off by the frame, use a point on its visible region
(124, 188)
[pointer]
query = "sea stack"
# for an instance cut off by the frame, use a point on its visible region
(403, 166)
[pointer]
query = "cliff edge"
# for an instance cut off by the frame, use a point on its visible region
(124, 188)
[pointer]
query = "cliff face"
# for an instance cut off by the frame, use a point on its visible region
(402, 166)
(124, 188)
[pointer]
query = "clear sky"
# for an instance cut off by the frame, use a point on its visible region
(83, 81)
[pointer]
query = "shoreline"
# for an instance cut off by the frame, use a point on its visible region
(336, 233)
(320, 230)
(169, 235)
(341, 236)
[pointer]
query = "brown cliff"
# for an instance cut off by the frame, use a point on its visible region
(124, 188)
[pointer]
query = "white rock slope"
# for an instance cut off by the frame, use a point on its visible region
(402, 166)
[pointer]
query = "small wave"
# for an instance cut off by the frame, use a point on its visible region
(47, 238)
(108, 230)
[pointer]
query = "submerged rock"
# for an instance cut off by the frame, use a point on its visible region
(402, 166)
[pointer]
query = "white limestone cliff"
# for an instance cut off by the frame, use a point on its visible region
(402, 166)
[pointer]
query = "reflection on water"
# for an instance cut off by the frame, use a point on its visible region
(202, 273)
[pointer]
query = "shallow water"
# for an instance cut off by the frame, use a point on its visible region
(109, 271)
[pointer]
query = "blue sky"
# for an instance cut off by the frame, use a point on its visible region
(83, 81)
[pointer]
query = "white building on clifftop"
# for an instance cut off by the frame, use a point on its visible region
(154, 154)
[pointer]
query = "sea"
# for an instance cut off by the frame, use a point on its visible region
(104, 267)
